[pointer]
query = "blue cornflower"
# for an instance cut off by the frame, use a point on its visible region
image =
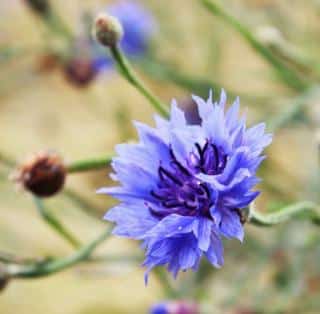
(183, 186)
(138, 25)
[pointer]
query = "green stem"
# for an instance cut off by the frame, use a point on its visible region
(57, 26)
(128, 73)
(163, 279)
(56, 265)
(304, 209)
(294, 110)
(55, 224)
(89, 164)
(164, 72)
(284, 72)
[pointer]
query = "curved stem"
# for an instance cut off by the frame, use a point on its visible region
(56, 265)
(288, 76)
(295, 109)
(57, 26)
(89, 164)
(304, 209)
(55, 224)
(128, 73)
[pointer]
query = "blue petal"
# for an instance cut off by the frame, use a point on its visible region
(202, 231)
(134, 178)
(133, 220)
(205, 108)
(172, 225)
(180, 253)
(232, 115)
(183, 142)
(215, 251)
(231, 226)
(223, 99)
(177, 117)
(239, 201)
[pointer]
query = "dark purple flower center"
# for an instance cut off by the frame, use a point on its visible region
(179, 191)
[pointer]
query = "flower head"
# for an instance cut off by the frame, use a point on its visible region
(86, 60)
(138, 25)
(183, 186)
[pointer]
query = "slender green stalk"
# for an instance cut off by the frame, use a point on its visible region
(161, 71)
(295, 108)
(285, 73)
(89, 164)
(303, 209)
(297, 60)
(56, 25)
(53, 266)
(128, 73)
(55, 224)
(165, 72)
(163, 279)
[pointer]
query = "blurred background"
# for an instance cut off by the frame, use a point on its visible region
(54, 97)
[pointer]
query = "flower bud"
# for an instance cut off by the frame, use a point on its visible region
(44, 175)
(175, 307)
(190, 109)
(107, 30)
(41, 7)
(80, 71)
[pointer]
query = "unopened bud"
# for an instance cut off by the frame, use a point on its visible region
(80, 71)
(44, 175)
(107, 30)
(41, 7)
(190, 109)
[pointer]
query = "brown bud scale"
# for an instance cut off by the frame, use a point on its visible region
(44, 175)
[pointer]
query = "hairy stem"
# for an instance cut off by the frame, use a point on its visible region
(128, 73)
(164, 281)
(55, 224)
(305, 209)
(53, 266)
(89, 164)
(284, 72)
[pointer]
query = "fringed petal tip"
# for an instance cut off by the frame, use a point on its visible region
(103, 190)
